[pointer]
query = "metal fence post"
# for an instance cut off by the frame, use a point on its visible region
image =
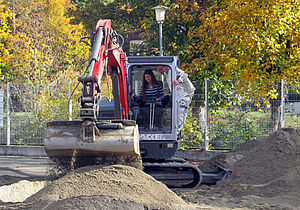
(8, 115)
(206, 141)
(282, 104)
(70, 101)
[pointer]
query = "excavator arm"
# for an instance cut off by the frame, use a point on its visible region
(106, 54)
(90, 136)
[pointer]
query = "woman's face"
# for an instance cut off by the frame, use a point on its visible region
(148, 78)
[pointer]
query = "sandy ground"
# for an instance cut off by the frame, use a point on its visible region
(265, 175)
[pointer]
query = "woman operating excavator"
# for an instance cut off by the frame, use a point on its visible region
(151, 95)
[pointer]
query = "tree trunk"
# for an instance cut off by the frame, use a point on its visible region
(276, 111)
(275, 115)
(199, 114)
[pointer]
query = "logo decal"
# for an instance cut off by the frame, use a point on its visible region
(151, 137)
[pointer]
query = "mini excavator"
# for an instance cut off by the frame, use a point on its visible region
(119, 126)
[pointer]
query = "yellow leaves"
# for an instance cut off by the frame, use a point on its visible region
(257, 104)
(251, 40)
(185, 11)
(231, 64)
(144, 25)
(5, 15)
(58, 19)
(5, 33)
(174, 45)
(123, 7)
(53, 104)
(127, 7)
(106, 88)
(49, 43)
(53, 98)
(273, 94)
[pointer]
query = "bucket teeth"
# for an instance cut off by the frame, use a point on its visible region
(89, 131)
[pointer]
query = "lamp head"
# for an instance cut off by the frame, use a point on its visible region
(160, 12)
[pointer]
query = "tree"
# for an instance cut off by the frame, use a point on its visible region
(182, 20)
(5, 33)
(44, 48)
(48, 44)
(128, 17)
(254, 43)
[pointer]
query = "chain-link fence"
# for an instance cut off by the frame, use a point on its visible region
(27, 109)
(225, 123)
(231, 119)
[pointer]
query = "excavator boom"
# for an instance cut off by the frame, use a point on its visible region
(90, 136)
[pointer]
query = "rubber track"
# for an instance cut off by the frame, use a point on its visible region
(167, 170)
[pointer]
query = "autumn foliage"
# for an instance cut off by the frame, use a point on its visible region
(40, 40)
(5, 34)
(250, 44)
(254, 43)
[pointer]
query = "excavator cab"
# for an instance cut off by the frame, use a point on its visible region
(153, 117)
(156, 120)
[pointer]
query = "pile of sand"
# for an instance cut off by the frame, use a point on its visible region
(109, 187)
(268, 168)
(20, 191)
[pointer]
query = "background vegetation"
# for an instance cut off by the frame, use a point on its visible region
(250, 44)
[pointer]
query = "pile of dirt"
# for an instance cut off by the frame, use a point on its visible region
(111, 187)
(268, 168)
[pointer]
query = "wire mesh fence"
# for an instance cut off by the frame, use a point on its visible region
(31, 106)
(233, 119)
(218, 117)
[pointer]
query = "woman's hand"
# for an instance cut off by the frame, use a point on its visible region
(133, 95)
(176, 82)
(157, 99)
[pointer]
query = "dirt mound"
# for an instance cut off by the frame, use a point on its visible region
(110, 186)
(265, 175)
(266, 168)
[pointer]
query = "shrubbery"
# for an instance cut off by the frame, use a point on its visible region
(229, 129)
(191, 136)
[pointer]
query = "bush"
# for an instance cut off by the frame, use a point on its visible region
(191, 136)
(229, 129)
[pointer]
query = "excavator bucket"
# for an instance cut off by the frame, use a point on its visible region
(88, 138)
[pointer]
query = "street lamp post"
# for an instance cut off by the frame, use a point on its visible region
(160, 17)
